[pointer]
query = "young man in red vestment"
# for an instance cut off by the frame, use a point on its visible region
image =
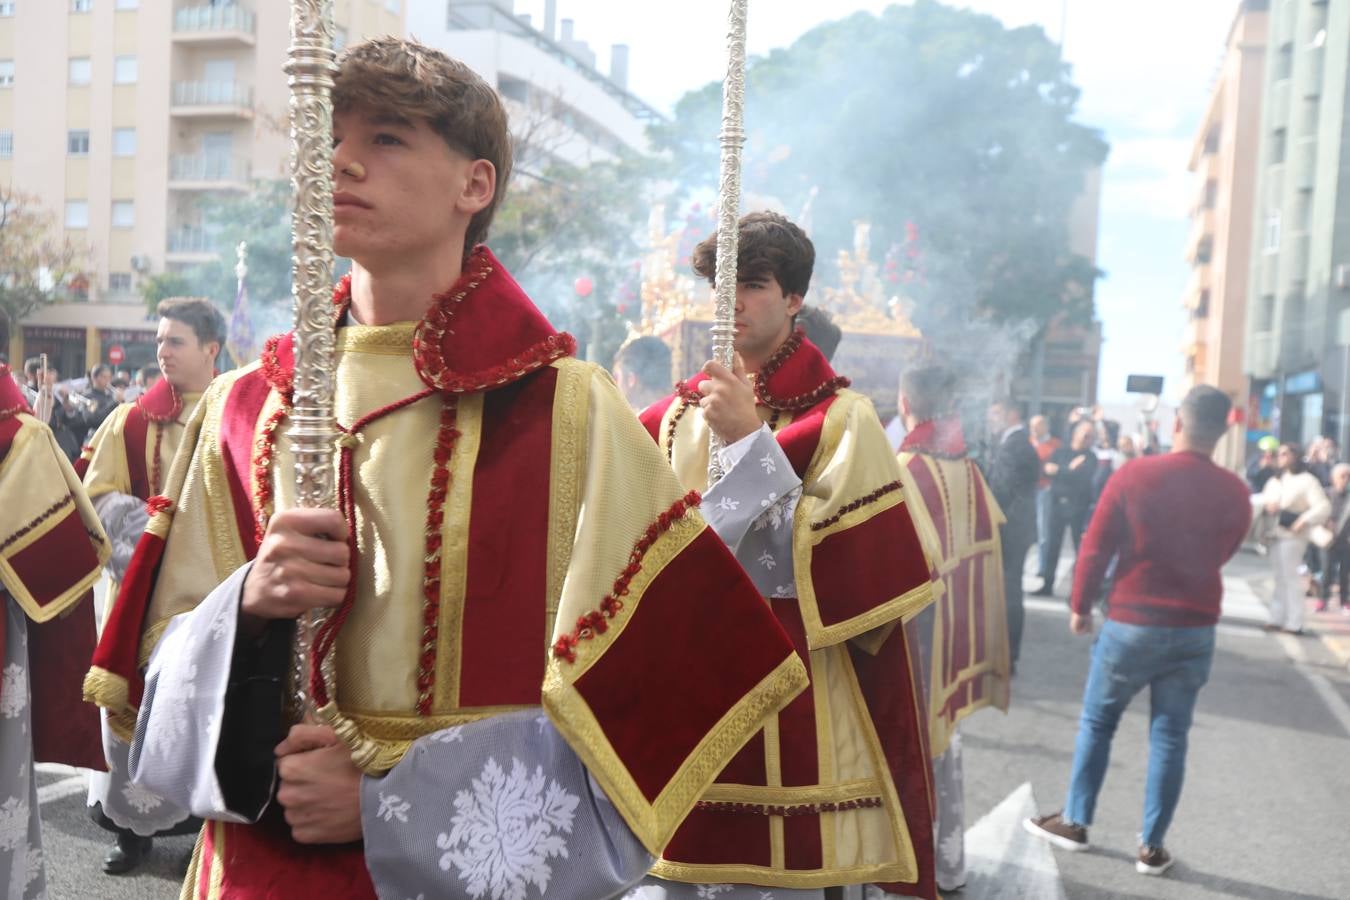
(51, 551)
(543, 655)
(835, 790)
(126, 464)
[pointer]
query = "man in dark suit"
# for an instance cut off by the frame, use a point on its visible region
(1014, 470)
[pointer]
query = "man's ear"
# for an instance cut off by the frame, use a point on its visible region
(794, 303)
(904, 406)
(480, 186)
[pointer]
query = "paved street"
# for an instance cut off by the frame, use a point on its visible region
(1264, 813)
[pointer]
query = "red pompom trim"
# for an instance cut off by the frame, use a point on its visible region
(800, 401)
(158, 504)
(263, 450)
(446, 438)
(277, 375)
(799, 809)
(857, 504)
(597, 621)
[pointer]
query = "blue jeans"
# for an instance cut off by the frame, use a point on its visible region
(1174, 664)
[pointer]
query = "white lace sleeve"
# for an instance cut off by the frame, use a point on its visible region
(178, 728)
(497, 808)
(759, 482)
(123, 518)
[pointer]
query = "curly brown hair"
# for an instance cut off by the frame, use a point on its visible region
(769, 244)
(410, 81)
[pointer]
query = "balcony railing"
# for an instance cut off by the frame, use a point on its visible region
(199, 19)
(209, 168)
(212, 93)
(192, 239)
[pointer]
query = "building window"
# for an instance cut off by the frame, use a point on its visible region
(6, 73)
(1279, 144)
(77, 213)
(6, 8)
(119, 282)
(1284, 63)
(391, 5)
(1272, 232)
(128, 4)
(124, 142)
(124, 70)
(81, 6)
(1265, 314)
(6, 145)
(1303, 210)
(124, 214)
(77, 143)
(81, 70)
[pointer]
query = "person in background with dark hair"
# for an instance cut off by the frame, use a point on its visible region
(100, 400)
(1173, 521)
(1045, 442)
(146, 376)
(1071, 470)
(1337, 553)
(1296, 499)
(1262, 467)
(820, 329)
(642, 370)
(1014, 470)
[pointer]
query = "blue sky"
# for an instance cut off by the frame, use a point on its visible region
(1145, 68)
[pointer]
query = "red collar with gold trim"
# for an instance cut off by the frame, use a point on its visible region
(936, 437)
(481, 334)
(162, 403)
(12, 401)
(796, 378)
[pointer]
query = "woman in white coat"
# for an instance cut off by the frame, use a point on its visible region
(1297, 502)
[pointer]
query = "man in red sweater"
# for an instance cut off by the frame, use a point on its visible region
(1173, 521)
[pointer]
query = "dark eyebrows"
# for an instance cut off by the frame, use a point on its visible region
(389, 119)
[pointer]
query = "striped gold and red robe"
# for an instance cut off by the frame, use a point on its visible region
(958, 519)
(51, 551)
(836, 789)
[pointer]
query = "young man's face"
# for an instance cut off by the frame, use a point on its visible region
(183, 359)
(763, 316)
(405, 199)
(103, 379)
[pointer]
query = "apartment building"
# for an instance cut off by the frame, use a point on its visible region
(1298, 324)
(127, 118)
(563, 108)
(1223, 160)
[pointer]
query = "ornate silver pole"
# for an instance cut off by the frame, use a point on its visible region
(311, 430)
(728, 209)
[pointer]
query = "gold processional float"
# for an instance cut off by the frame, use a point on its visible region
(879, 340)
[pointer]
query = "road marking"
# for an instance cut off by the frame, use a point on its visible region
(58, 790)
(1340, 710)
(1003, 861)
